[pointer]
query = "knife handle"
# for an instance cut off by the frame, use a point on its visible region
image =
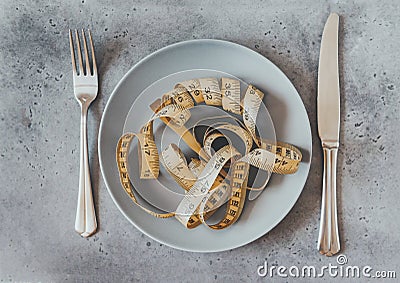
(328, 240)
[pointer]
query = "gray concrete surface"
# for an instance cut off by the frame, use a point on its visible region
(39, 137)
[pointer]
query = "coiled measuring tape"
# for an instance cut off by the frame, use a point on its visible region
(205, 180)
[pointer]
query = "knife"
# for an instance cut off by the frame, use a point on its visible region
(328, 115)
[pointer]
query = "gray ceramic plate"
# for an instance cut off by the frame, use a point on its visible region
(284, 105)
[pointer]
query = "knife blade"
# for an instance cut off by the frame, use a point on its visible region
(328, 117)
(328, 105)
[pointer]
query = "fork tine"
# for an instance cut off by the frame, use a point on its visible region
(93, 57)
(71, 45)
(88, 72)
(79, 54)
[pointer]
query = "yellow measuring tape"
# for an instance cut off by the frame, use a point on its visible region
(216, 177)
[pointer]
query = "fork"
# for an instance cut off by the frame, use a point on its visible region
(85, 90)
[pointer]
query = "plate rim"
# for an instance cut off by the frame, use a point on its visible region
(143, 61)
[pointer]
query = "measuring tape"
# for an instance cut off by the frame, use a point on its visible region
(217, 176)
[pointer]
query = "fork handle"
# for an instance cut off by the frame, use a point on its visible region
(328, 240)
(85, 221)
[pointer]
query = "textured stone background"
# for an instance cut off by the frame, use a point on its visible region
(39, 139)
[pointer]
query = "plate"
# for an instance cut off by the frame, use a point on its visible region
(287, 112)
